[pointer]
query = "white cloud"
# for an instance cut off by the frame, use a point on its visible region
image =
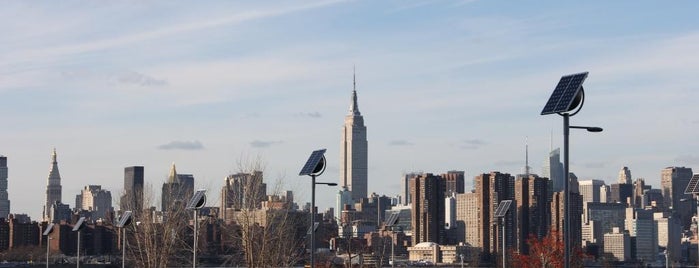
(182, 145)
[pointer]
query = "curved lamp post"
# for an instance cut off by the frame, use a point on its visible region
(568, 95)
(315, 165)
(77, 228)
(196, 203)
(47, 232)
(124, 221)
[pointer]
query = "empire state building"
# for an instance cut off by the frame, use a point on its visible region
(353, 151)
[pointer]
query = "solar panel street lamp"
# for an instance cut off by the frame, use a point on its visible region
(77, 228)
(47, 232)
(500, 213)
(566, 97)
(315, 165)
(197, 202)
(390, 222)
(693, 189)
(124, 221)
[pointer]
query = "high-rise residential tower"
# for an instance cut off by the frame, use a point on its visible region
(453, 182)
(53, 187)
(492, 188)
(133, 189)
(427, 209)
(4, 199)
(531, 194)
(354, 151)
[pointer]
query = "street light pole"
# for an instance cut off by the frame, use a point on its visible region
(393, 255)
(503, 243)
(314, 167)
(566, 190)
(196, 223)
(48, 239)
(78, 265)
(123, 247)
(313, 220)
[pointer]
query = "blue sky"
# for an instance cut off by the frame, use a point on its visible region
(443, 85)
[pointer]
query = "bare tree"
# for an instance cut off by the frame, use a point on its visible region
(158, 239)
(268, 232)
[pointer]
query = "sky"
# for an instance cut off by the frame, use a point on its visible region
(442, 85)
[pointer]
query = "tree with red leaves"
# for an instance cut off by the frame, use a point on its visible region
(547, 253)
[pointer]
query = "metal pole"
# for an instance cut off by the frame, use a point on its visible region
(566, 191)
(47, 250)
(123, 247)
(503, 242)
(393, 258)
(194, 261)
(313, 220)
(78, 249)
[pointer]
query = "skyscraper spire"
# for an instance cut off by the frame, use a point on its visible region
(172, 178)
(354, 107)
(53, 187)
(526, 156)
(551, 142)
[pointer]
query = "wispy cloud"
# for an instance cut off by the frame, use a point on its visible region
(47, 53)
(263, 144)
(472, 144)
(400, 143)
(139, 79)
(182, 145)
(310, 114)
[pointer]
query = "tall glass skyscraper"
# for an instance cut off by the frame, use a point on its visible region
(553, 169)
(4, 199)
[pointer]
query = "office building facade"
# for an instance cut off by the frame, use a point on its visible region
(674, 181)
(133, 189)
(96, 200)
(427, 209)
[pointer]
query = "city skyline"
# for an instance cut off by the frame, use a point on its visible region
(442, 84)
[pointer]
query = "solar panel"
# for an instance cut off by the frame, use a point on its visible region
(198, 200)
(79, 225)
(124, 220)
(49, 229)
(315, 227)
(313, 162)
(502, 208)
(564, 94)
(693, 185)
(392, 219)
